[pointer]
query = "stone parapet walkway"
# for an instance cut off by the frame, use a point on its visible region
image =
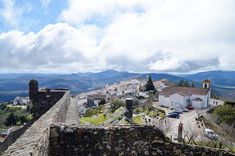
(72, 116)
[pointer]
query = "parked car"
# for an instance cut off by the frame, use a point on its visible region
(189, 107)
(185, 110)
(175, 112)
(173, 115)
(209, 133)
(180, 111)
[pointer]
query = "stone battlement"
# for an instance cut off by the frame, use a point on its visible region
(119, 140)
(35, 140)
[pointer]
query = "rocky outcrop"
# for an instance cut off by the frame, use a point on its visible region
(119, 140)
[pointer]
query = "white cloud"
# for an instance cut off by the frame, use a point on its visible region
(45, 3)
(134, 35)
(9, 12)
(12, 14)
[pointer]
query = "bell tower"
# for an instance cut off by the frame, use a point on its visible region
(206, 84)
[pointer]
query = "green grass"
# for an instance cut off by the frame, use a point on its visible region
(17, 110)
(162, 115)
(138, 120)
(150, 111)
(95, 120)
(94, 111)
(231, 149)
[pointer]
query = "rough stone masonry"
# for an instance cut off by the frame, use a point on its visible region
(123, 140)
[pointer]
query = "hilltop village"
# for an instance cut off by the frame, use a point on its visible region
(181, 112)
(167, 105)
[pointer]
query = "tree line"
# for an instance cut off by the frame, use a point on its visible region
(185, 83)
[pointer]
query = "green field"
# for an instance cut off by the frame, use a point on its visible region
(19, 111)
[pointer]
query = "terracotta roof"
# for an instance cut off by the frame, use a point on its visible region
(206, 81)
(183, 91)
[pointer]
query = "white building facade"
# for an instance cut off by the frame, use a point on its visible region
(179, 97)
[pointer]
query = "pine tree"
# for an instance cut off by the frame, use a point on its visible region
(149, 84)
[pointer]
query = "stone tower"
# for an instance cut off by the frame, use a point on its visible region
(33, 89)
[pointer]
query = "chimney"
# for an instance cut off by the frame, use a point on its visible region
(129, 107)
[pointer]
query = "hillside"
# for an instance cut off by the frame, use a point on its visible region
(12, 85)
(219, 78)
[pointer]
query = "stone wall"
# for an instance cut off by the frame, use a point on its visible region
(119, 140)
(45, 99)
(35, 140)
(11, 138)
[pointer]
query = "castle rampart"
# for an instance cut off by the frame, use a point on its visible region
(34, 142)
(119, 140)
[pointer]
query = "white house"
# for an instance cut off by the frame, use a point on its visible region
(21, 100)
(180, 97)
(94, 99)
(216, 102)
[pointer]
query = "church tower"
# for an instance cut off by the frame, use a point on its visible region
(206, 84)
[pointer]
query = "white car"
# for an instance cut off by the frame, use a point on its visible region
(209, 133)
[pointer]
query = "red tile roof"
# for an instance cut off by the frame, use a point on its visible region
(206, 81)
(183, 91)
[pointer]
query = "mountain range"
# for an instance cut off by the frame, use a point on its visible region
(16, 84)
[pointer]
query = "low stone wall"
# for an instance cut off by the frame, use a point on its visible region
(11, 138)
(119, 140)
(35, 140)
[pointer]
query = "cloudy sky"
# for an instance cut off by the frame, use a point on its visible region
(132, 35)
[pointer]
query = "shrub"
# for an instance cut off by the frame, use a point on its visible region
(116, 104)
(225, 113)
(3, 106)
(11, 120)
(102, 102)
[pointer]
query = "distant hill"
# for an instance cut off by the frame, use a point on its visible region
(218, 78)
(12, 85)
(223, 82)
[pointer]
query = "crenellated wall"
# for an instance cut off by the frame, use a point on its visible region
(35, 140)
(119, 141)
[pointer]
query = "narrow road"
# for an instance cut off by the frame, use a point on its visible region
(72, 116)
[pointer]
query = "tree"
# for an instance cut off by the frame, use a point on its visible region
(225, 113)
(183, 83)
(116, 104)
(11, 120)
(149, 84)
(180, 83)
(186, 84)
(23, 119)
(193, 85)
(102, 102)
(3, 106)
